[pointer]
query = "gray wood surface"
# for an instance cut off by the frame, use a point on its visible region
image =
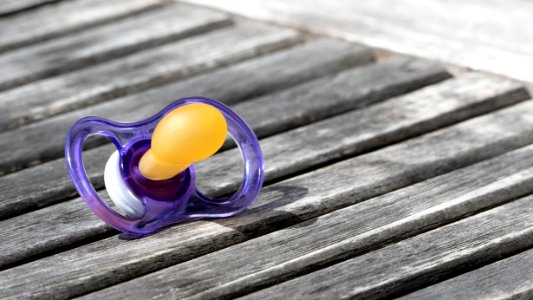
(222, 173)
(149, 68)
(282, 204)
(360, 87)
(65, 17)
(231, 84)
(453, 31)
(419, 260)
(142, 105)
(385, 176)
(158, 26)
(333, 237)
(508, 278)
(8, 7)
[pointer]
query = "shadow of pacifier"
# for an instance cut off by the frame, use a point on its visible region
(151, 178)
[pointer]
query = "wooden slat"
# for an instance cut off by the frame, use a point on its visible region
(135, 72)
(68, 16)
(384, 131)
(8, 7)
(72, 52)
(285, 203)
(508, 278)
(454, 31)
(419, 260)
(333, 237)
(361, 86)
(230, 84)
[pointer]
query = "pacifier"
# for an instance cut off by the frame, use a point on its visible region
(151, 178)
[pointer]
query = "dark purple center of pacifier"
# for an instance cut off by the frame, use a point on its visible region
(161, 190)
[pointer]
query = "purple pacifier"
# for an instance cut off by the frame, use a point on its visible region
(150, 202)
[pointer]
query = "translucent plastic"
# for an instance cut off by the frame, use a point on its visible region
(168, 201)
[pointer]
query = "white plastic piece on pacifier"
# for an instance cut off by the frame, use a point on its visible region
(117, 190)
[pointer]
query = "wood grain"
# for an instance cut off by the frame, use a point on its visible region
(334, 237)
(280, 205)
(230, 85)
(149, 68)
(454, 31)
(8, 7)
(65, 17)
(508, 278)
(419, 260)
(71, 52)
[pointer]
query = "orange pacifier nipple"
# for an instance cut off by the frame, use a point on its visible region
(186, 135)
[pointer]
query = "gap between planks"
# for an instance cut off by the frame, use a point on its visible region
(280, 205)
(11, 7)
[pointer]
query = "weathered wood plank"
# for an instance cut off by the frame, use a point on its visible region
(102, 43)
(152, 67)
(508, 278)
(361, 87)
(61, 18)
(8, 7)
(419, 260)
(280, 205)
(453, 31)
(412, 121)
(333, 237)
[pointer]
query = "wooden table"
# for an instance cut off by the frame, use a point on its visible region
(386, 175)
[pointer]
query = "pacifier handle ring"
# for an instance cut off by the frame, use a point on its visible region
(76, 136)
(203, 206)
(199, 205)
